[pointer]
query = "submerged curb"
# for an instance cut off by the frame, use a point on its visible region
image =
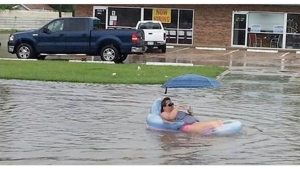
(264, 51)
(105, 62)
(208, 48)
(223, 74)
(18, 59)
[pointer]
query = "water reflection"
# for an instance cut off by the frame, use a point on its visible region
(68, 123)
(4, 97)
(181, 148)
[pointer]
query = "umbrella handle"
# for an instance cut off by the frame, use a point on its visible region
(166, 90)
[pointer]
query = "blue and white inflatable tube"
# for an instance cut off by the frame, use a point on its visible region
(154, 121)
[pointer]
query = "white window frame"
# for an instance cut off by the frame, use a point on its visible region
(246, 29)
(106, 11)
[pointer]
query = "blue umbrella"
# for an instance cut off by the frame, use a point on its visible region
(191, 81)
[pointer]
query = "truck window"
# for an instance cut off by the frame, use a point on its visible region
(149, 25)
(56, 26)
(77, 24)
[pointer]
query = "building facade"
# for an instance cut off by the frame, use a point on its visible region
(246, 26)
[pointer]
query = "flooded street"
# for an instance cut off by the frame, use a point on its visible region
(69, 123)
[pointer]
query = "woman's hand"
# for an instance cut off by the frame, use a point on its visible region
(190, 111)
(183, 107)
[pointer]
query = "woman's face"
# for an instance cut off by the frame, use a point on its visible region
(169, 106)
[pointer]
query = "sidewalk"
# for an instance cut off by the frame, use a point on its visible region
(233, 58)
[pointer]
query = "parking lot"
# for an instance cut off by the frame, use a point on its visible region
(232, 58)
(281, 60)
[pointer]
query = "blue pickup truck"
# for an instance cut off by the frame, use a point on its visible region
(77, 35)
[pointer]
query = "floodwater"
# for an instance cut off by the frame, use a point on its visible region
(69, 123)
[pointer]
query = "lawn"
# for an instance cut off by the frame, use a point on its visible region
(8, 31)
(64, 71)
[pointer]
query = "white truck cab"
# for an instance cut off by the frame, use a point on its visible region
(155, 35)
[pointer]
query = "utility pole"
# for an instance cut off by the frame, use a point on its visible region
(60, 10)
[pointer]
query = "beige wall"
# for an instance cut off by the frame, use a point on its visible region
(212, 23)
(24, 20)
(31, 14)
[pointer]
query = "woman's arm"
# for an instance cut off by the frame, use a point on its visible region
(172, 115)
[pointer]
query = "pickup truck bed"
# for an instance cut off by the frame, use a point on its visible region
(155, 35)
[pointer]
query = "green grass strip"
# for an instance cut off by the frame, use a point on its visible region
(8, 31)
(98, 73)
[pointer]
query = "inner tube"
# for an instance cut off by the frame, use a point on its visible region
(229, 127)
(154, 121)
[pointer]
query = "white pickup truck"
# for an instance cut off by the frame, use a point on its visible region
(155, 35)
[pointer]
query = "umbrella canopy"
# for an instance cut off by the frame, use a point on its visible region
(191, 81)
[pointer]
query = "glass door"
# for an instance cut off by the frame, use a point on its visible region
(239, 29)
(101, 13)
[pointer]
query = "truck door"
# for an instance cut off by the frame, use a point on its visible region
(77, 36)
(50, 38)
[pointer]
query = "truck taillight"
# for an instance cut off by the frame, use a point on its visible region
(134, 38)
(165, 36)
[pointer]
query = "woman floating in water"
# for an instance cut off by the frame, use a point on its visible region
(170, 112)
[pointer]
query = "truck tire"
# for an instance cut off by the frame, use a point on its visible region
(123, 57)
(25, 51)
(109, 53)
(41, 57)
(163, 48)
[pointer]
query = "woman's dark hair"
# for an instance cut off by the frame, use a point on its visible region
(163, 103)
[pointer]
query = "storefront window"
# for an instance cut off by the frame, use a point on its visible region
(265, 29)
(182, 34)
(174, 17)
(293, 31)
(185, 33)
(147, 14)
(293, 41)
(101, 14)
(293, 23)
(185, 36)
(185, 19)
(239, 37)
(239, 29)
(178, 23)
(123, 17)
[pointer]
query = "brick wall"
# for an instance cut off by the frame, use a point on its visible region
(212, 23)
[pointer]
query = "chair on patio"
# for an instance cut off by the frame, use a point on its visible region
(276, 42)
(254, 41)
